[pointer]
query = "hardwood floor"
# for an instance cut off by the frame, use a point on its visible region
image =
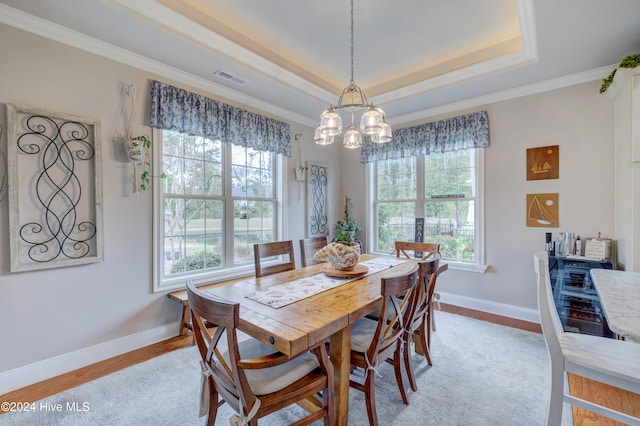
(606, 395)
(46, 388)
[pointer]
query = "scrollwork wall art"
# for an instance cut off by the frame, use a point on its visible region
(55, 189)
(316, 199)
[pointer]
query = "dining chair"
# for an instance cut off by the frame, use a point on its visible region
(309, 247)
(374, 342)
(252, 377)
(270, 250)
(610, 361)
(417, 327)
(427, 250)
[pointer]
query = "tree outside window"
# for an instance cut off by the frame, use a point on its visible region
(217, 200)
(441, 188)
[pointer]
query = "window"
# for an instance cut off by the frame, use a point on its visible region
(444, 189)
(215, 203)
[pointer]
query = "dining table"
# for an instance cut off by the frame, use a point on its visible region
(619, 293)
(298, 326)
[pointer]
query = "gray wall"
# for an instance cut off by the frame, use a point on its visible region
(60, 319)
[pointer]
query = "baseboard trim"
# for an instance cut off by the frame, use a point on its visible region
(509, 311)
(51, 367)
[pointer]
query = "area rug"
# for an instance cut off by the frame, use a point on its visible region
(482, 374)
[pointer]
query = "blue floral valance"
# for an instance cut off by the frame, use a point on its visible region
(186, 112)
(452, 134)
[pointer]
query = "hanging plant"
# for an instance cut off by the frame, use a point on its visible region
(631, 61)
(300, 172)
(140, 153)
(138, 149)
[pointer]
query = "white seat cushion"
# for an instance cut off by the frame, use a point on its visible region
(616, 362)
(272, 379)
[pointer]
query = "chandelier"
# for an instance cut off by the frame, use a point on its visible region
(372, 121)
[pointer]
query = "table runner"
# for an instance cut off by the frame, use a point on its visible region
(284, 294)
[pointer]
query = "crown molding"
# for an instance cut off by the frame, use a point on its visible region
(49, 30)
(505, 95)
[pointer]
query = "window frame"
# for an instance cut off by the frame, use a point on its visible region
(160, 281)
(371, 217)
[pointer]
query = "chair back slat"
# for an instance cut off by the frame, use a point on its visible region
(427, 249)
(423, 294)
(273, 249)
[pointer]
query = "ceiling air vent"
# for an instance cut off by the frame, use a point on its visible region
(228, 76)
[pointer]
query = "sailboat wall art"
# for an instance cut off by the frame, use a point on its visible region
(543, 163)
(542, 210)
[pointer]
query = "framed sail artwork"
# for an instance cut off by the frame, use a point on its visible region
(543, 163)
(542, 210)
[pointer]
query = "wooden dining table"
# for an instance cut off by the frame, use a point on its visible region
(296, 327)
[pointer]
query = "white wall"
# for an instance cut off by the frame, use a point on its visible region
(580, 121)
(295, 227)
(60, 319)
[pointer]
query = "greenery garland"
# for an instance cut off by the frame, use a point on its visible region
(630, 61)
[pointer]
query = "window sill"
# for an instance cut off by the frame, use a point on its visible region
(211, 277)
(467, 267)
(454, 265)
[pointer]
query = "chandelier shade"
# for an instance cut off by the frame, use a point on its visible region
(372, 120)
(330, 123)
(352, 138)
(384, 135)
(322, 138)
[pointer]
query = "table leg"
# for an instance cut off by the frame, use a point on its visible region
(340, 354)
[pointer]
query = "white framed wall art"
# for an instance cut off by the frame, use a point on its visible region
(55, 189)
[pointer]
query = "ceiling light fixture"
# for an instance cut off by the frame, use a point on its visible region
(372, 120)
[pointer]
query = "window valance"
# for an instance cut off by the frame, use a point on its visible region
(177, 109)
(452, 134)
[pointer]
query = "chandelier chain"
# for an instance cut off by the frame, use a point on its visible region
(352, 80)
(372, 121)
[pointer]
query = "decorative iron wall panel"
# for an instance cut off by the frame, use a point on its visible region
(55, 189)
(317, 199)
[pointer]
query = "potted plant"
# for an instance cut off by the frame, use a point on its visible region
(631, 61)
(347, 229)
(140, 153)
(300, 172)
